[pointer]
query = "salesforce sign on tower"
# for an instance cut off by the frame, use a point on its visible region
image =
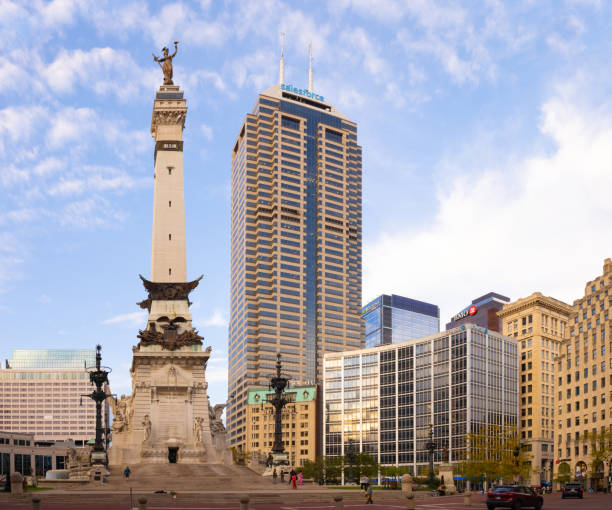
(302, 92)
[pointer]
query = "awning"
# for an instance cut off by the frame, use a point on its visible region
(459, 478)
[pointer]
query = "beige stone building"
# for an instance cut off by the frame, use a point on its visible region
(584, 381)
(299, 424)
(41, 394)
(296, 244)
(539, 324)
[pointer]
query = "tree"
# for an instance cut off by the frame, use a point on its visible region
(323, 469)
(601, 449)
(495, 452)
(564, 473)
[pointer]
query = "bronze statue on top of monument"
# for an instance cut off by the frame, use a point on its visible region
(167, 61)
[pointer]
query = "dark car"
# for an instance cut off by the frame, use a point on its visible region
(513, 496)
(572, 490)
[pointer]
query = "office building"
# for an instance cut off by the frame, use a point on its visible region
(296, 243)
(539, 324)
(394, 319)
(584, 383)
(41, 390)
(299, 423)
(20, 453)
(384, 398)
(481, 311)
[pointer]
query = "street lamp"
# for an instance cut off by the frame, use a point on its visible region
(516, 451)
(430, 446)
(350, 454)
(278, 383)
(98, 377)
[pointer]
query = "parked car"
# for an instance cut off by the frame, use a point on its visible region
(572, 490)
(514, 497)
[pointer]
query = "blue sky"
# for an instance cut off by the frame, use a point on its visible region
(486, 130)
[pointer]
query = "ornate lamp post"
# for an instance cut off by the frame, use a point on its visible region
(350, 455)
(98, 377)
(278, 383)
(516, 451)
(430, 446)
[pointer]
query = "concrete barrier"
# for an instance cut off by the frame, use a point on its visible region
(17, 484)
(338, 503)
(410, 503)
(467, 499)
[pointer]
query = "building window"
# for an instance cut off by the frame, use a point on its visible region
(169, 170)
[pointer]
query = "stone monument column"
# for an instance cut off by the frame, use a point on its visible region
(168, 418)
(168, 261)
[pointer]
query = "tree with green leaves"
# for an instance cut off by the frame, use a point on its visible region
(600, 447)
(564, 473)
(495, 452)
(323, 469)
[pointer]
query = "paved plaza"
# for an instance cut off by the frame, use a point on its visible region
(289, 500)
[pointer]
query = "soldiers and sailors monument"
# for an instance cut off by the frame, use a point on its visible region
(168, 418)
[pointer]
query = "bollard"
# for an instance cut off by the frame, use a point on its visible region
(244, 503)
(410, 501)
(467, 499)
(35, 503)
(142, 503)
(339, 504)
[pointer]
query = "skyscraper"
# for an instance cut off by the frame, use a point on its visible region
(482, 312)
(296, 242)
(393, 319)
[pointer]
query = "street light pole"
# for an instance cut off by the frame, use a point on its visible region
(98, 377)
(350, 454)
(430, 446)
(278, 383)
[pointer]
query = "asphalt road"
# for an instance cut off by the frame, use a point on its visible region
(551, 502)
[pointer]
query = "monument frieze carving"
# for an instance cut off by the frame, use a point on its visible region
(167, 291)
(168, 338)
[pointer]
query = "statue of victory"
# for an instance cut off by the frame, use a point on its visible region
(167, 61)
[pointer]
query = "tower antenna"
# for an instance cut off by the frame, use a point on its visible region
(310, 68)
(282, 58)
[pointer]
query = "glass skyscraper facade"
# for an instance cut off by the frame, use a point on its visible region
(384, 398)
(40, 392)
(393, 319)
(296, 244)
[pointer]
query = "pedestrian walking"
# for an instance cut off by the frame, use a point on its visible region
(368, 495)
(300, 478)
(282, 475)
(294, 480)
(274, 475)
(126, 472)
(363, 482)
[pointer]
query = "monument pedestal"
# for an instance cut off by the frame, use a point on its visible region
(446, 472)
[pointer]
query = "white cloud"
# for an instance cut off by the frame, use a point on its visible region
(130, 319)
(44, 299)
(207, 131)
(217, 319)
(540, 224)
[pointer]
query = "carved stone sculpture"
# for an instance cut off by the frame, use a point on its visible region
(146, 423)
(216, 424)
(167, 63)
(197, 429)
